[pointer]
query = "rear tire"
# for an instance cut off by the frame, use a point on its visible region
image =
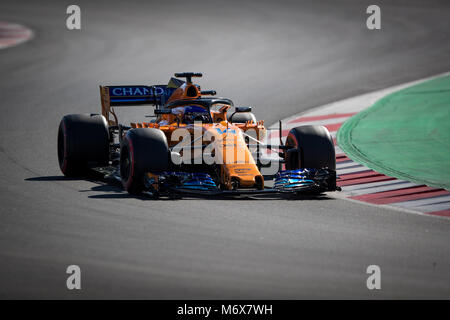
(83, 141)
(143, 150)
(242, 117)
(312, 147)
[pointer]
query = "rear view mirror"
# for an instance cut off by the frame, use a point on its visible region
(243, 109)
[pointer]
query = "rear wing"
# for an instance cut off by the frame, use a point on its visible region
(110, 96)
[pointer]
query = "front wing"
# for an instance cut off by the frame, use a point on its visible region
(286, 181)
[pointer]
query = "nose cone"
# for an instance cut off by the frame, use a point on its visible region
(236, 160)
(247, 175)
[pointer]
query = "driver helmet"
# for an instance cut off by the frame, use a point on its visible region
(196, 113)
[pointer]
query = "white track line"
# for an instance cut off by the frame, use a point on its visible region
(426, 205)
(358, 169)
(348, 165)
(381, 187)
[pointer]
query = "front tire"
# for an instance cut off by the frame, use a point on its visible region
(311, 147)
(143, 150)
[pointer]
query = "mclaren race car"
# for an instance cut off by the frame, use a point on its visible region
(194, 143)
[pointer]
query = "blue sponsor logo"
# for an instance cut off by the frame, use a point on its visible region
(137, 91)
(139, 94)
(220, 131)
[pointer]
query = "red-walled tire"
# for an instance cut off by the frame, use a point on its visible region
(142, 150)
(83, 141)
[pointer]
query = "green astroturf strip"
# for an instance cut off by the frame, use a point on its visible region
(405, 135)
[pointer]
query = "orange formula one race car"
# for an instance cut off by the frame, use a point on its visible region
(193, 144)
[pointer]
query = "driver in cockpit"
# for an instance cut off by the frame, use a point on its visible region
(191, 114)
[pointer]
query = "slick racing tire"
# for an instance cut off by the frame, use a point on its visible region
(83, 141)
(311, 147)
(142, 150)
(242, 117)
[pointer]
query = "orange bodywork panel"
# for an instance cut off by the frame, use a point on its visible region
(225, 142)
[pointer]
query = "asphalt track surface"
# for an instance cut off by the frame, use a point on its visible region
(281, 58)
